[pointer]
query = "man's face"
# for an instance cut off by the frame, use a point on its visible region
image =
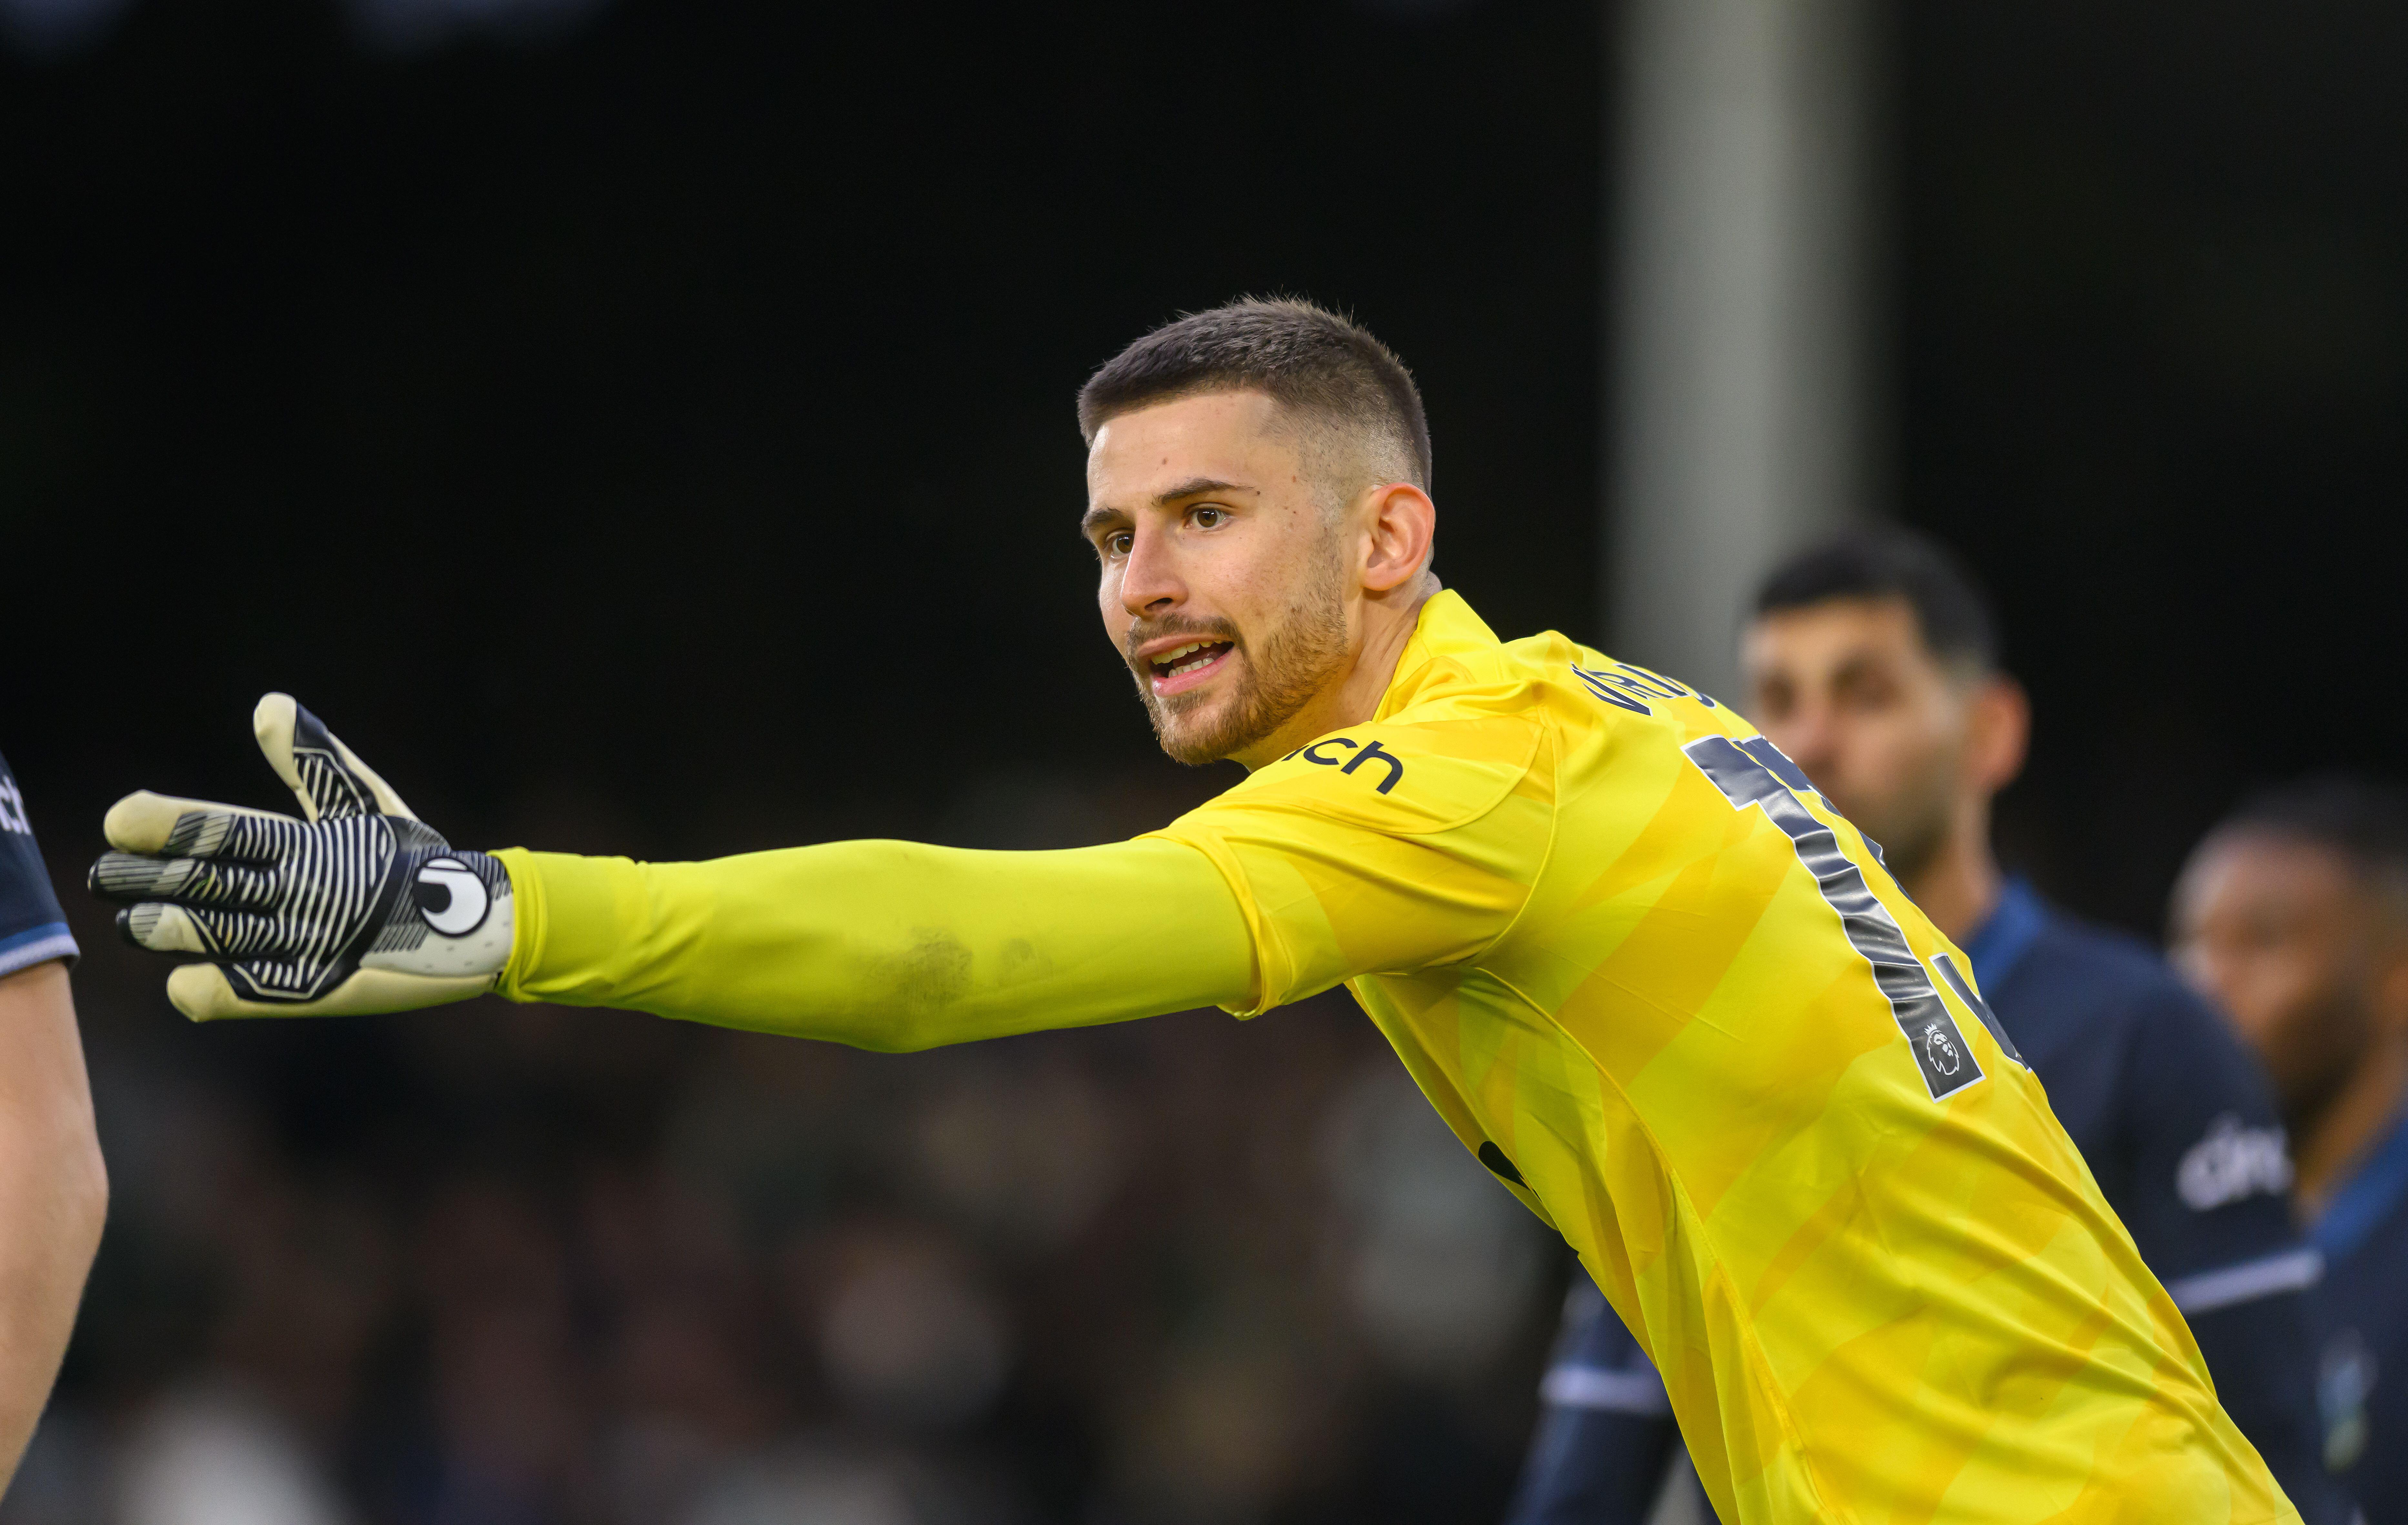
(2282, 934)
(1223, 570)
(1849, 690)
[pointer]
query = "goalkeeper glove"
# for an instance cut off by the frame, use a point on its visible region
(360, 908)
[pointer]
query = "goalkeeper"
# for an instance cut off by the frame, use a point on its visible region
(1648, 976)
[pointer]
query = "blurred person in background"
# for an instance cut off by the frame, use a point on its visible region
(1872, 660)
(2293, 914)
(53, 1189)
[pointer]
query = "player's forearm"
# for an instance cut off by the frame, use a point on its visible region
(884, 944)
(53, 1194)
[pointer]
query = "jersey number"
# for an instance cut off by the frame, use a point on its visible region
(1755, 772)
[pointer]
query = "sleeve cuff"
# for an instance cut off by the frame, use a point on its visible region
(575, 921)
(1272, 975)
(36, 945)
(527, 922)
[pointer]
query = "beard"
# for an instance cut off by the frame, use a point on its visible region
(1292, 666)
(2325, 1041)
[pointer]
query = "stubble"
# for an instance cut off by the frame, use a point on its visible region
(1291, 666)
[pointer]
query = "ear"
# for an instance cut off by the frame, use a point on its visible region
(2391, 976)
(1998, 734)
(1400, 525)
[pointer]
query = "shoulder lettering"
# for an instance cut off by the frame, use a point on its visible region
(1364, 752)
(1412, 778)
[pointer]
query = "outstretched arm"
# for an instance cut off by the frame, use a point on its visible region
(358, 906)
(1303, 876)
(884, 944)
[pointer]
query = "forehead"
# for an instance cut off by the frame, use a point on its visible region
(1233, 436)
(1817, 638)
(2255, 871)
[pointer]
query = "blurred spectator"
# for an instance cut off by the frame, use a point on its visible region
(214, 1455)
(1440, 1264)
(2293, 914)
(908, 1338)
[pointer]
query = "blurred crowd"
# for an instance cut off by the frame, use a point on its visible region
(515, 1267)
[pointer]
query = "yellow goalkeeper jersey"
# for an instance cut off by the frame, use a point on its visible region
(1651, 980)
(1673, 1001)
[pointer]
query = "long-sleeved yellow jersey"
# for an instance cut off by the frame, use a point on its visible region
(1650, 979)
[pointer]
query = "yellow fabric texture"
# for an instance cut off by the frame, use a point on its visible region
(882, 945)
(1878, 1282)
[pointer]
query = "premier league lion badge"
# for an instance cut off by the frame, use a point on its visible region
(1940, 1047)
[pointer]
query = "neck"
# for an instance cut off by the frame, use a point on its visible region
(1389, 621)
(2327, 1147)
(1959, 886)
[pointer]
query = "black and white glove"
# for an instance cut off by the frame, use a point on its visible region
(360, 908)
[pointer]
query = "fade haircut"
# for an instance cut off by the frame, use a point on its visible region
(1328, 373)
(1958, 625)
(2358, 820)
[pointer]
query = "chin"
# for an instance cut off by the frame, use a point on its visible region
(1194, 745)
(1206, 733)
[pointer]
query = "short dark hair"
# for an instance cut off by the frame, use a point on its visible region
(1955, 613)
(1307, 358)
(2359, 819)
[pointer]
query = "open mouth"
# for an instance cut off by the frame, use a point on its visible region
(1189, 660)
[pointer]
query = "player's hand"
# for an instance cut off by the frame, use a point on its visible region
(360, 908)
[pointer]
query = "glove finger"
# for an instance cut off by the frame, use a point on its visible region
(188, 880)
(213, 934)
(204, 993)
(163, 826)
(326, 776)
(201, 993)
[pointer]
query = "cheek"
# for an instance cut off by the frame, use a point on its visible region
(2241, 988)
(2280, 1001)
(1882, 753)
(1914, 751)
(1257, 568)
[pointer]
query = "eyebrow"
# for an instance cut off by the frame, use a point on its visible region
(1098, 516)
(1195, 487)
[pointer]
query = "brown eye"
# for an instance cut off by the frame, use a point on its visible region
(1207, 516)
(1117, 544)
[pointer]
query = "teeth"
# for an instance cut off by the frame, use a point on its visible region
(1175, 655)
(1190, 667)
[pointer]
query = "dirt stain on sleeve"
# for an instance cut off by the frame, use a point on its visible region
(933, 974)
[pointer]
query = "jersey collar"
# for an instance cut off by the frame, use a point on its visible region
(1446, 627)
(2367, 1199)
(2013, 926)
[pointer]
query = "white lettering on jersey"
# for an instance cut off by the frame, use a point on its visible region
(2232, 1162)
(12, 807)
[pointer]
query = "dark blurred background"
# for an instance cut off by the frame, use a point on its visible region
(646, 427)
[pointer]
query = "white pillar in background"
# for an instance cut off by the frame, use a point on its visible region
(1743, 406)
(1741, 310)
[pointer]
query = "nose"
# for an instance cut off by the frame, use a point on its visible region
(1805, 734)
(1150, 586)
